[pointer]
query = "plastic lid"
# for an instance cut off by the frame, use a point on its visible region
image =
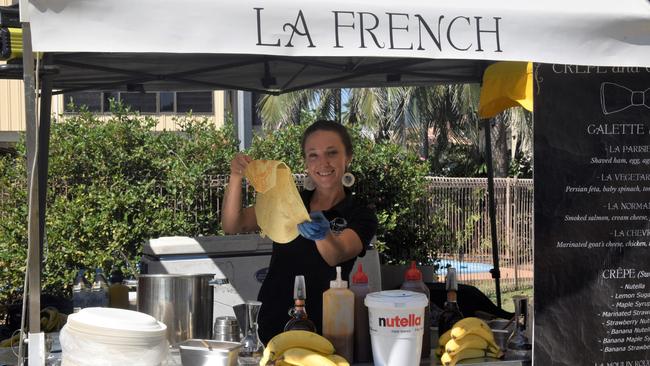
(360, 277)
(397, 299)
(338, 282)
(413, 274)
(117, 323)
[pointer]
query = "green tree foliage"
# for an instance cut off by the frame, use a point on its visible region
(387, 177)
(112, 185)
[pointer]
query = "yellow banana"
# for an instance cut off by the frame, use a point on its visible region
(306, 357)
(444, 338)
(338, 360)
(469, 341)
(472, 326)
(439, 351)
(61, 321)
(12, 341)
(448, 360)
(295, 338)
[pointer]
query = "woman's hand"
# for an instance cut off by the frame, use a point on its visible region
(234, 219)
(317, 228)
(238, 165)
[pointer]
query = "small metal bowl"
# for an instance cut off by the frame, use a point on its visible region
(218, 353)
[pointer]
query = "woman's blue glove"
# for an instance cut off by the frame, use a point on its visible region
(317, 228)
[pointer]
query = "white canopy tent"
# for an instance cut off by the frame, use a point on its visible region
(287, 45)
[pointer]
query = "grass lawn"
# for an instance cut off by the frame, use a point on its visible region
(506, 298)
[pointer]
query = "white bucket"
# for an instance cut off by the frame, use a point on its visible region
(397, 323)
(113, 337)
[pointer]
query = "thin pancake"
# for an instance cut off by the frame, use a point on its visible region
(278, 207)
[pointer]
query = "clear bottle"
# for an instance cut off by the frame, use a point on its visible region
(298, 314)
(413, 282)
(80, 291)
(338, 316)
(360, 288)
(118, 292)
(519, 347)
(99, 291)
(252, 348)
(451, 312)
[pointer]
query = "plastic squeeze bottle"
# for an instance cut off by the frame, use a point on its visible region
(362, 347)
(413, 282)
(338, 316)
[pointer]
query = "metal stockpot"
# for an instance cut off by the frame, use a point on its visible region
(183, 302)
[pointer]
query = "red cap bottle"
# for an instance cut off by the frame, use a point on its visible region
(413, 282)
(362, 346)
(413, 274)
(359, 276)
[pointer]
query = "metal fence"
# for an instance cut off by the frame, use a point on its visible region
(463, 204)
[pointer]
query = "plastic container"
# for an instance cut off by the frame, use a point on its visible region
(105, 336)
(360, 288)
(413, 282)
(396, 320)
(118, 292)
(338, 316)
(99, 291)
(80, 292)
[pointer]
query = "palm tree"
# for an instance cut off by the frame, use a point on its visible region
(380, 110)
(409, 116)
(280, 110)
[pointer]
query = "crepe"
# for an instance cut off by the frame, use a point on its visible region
(278, 206)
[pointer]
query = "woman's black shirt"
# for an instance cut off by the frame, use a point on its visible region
(301, 257)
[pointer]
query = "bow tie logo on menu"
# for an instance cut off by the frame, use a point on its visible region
(615, 98)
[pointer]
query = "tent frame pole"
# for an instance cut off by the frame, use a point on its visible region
(36, 338)
(496, 273)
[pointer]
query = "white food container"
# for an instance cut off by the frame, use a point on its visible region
(113, 337)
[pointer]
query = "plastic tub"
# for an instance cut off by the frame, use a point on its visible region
(107, 337)
(397, 323)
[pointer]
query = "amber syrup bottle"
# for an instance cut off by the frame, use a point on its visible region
(298, 315)
(451, 313)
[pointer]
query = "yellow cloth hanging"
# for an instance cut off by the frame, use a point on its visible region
(278, 206)
(505, 85)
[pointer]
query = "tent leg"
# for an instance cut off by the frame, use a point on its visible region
(244, 118)
(37, 350)
(496, 274)
(44, 150)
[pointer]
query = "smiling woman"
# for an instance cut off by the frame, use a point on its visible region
(327, 151)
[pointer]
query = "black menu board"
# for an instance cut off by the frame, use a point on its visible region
(592, 212)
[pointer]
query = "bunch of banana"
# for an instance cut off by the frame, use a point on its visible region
(468, 338)
(11, 342)
(300, 348)
(52, 320)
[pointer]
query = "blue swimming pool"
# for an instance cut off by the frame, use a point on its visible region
(462, 266)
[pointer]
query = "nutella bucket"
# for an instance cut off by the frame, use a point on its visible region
(397, 323)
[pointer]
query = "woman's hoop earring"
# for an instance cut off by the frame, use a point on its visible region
(308, 184)
(348, 179)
